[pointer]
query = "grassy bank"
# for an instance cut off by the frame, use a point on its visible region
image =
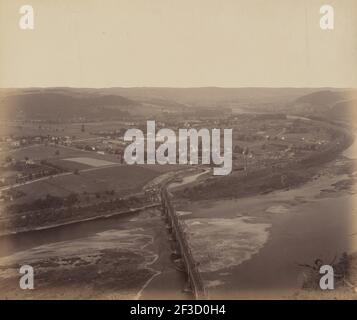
(261, 181)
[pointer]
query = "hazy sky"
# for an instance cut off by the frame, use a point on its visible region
(178, 43)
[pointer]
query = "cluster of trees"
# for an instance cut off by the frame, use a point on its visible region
(57, 213)
(49, 201)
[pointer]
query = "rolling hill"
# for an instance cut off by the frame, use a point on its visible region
(64, 106)
(333, 105)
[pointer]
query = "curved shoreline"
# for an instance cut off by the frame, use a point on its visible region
(266, 180)
(62, 224)
(313, 225)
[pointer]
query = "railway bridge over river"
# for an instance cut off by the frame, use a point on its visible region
(178, 234)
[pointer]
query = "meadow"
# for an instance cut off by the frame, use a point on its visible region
(123, 179)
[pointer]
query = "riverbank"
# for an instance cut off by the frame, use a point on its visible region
(78, 220)
(268, 178)
(114, 258)
(251, 247)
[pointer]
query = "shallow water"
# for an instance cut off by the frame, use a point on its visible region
(291, 227)
(139, 240)
(223, 243)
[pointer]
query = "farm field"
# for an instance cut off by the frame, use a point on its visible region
(42, 152)
(123, 180)
(33, 129)
(90, 161)
(70, 129)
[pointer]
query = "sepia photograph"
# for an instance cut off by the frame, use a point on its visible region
(178, 150)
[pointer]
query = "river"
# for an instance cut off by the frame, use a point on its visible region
(115, 258)
(247, 248)
(252, 247)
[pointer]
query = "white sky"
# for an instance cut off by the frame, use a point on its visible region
(178, 43)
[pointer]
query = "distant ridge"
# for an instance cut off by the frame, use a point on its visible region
(64, 106)
(329, 104)
(323, 98)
